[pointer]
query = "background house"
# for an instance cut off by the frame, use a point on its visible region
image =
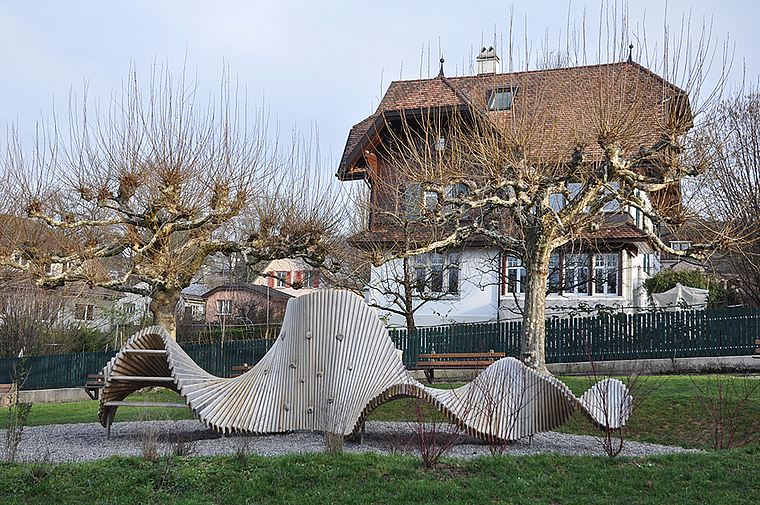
(245, 303)
(283, 273)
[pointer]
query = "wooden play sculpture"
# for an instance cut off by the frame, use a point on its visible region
(332, 365)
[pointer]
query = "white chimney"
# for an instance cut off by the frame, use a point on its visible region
(488, 61)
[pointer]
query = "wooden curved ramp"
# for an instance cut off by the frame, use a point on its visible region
(332, 364)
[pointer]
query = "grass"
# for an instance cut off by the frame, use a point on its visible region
(718, 477)
(87, 412)
(668, 413)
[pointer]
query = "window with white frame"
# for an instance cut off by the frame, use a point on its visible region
(197, 311)
(308, 278)
(680, 245)
(436, 273)
(606, 274)
(224, 307)
(576, 274)
(281, 278)
(501, 98)
(429, 199)
(514, 275)
(440, 144)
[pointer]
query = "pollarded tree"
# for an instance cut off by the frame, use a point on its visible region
(535, 161)
(151, 189)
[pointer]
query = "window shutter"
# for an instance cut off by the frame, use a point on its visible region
(299, 276)
(316, 278)
(270, 280)
(288, 277)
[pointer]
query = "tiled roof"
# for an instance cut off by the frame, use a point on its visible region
(626, 231)
(253, 288)
(616, 229)
(560, 102)
(388, 239)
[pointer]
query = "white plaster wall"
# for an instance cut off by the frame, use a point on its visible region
(477, 300)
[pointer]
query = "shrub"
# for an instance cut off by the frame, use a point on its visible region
(667, 279)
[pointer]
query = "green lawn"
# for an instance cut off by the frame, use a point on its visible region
(87, 412)
(667, 413)
(724, 478)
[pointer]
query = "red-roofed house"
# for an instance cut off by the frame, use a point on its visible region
(606, 268)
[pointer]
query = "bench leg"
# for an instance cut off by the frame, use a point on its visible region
(430, 375)
(109, 422)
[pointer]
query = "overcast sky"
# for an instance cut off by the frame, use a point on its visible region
(321, 63)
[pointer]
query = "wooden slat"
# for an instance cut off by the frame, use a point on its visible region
(452, 364)
(462, 355)
(144, 404)
(140, 378)
(146, 352)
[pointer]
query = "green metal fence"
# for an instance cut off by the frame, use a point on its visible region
(710, 333)
(71, 370)
(681, 334)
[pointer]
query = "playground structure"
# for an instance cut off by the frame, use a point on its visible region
(332, 365)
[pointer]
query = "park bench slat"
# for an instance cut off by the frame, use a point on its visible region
(144, 404)
(429, 362)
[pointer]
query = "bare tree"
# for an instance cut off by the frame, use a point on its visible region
(546, 160)
(402, 287)
(28, 319)
(156, 185)
(732, 188)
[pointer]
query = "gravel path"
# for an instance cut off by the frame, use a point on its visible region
(87, 442)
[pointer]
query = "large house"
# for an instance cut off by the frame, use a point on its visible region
(476, 282)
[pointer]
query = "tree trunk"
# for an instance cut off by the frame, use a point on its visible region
(408, 296)
(163, 307)
(533, 342)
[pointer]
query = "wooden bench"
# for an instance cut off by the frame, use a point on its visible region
(237, 371)
(139, 378)
(456, 360)
(94, 385)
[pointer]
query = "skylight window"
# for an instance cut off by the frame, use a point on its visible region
(501, 98)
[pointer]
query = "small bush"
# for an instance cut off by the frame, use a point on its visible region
(727, 404)
(18, 412)
(667, 279)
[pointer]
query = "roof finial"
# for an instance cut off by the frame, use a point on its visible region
(440, 73)
(630, 53)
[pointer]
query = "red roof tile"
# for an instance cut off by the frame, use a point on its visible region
(560, 102)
